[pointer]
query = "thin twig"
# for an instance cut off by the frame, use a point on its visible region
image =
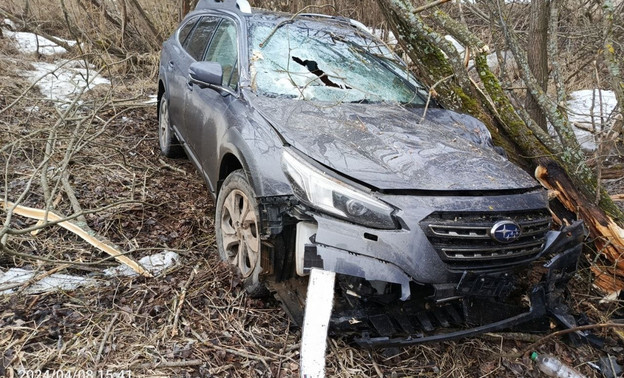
(240, 353)
(174, 331)
(431, 91)
(105, 338)
(167, 364)
(430, 5)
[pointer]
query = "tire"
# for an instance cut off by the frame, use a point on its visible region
(237, 231)
(169, 144)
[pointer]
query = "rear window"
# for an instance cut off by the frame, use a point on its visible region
(185, 30)
(196, 43)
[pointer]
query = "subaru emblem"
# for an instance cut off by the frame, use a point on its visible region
(505, 231)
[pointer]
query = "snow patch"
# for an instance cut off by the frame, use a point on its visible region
(9, 23)
(458, 46)
(63, 81)
(587, 105)
(30, 43)
(155, 264)
(386, 36)
(15, 277)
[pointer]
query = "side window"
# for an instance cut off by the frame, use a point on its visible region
(196, 43)
(224, 49)
(186, 30)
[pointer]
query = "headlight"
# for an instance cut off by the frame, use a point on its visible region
(331, 195)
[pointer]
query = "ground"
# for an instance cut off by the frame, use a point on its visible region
(193, 319)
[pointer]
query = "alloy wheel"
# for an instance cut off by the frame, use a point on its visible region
(240, 232)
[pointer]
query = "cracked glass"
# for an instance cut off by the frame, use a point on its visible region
(315, 61)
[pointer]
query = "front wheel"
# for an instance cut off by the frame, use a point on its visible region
(238, 231)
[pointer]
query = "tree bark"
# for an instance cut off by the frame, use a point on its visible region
(185, 7)
(537, 56)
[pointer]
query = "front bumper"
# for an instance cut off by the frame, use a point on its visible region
(332, 248)
(546, 297)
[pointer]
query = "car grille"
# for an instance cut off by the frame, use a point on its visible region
(463, 239)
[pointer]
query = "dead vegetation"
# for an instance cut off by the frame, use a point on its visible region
(97, 160)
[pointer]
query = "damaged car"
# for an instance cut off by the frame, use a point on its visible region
(322, 151)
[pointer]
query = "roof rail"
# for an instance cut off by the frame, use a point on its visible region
(241, 6)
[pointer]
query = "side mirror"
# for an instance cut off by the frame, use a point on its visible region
(206, 73)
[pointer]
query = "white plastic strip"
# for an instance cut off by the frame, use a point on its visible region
(319, 303)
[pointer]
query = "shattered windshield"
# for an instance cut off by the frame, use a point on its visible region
(313, 61)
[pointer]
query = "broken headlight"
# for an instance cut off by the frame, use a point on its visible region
(333, 196)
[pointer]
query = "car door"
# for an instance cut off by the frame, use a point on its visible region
(206, 109)
(194, 48)
(176, 59)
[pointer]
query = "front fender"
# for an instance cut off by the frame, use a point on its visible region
(258, 148)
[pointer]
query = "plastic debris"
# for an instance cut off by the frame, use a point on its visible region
(553, 367)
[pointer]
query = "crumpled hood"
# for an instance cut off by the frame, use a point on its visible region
(388, 147)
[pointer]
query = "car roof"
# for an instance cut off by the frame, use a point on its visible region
(242, 8)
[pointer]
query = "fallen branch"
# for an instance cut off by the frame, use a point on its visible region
(161, 161)
(83, 231)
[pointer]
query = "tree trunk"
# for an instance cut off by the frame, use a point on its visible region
(185, 7)
(537, 55)
(574, 182)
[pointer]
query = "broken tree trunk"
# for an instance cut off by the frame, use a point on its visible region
(608, 236)
(433, 65)
(610, 243)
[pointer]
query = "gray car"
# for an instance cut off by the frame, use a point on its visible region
(323, 151)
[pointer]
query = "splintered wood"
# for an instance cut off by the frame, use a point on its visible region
(84, 232)
(606, 234)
